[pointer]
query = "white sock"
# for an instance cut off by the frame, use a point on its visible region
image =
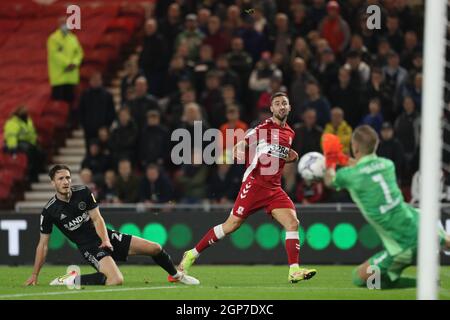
(177, 276)
(294, 265)
(195, 252)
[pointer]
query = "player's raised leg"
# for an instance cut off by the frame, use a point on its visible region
(139, 246)
(212, 236)
(288, 219)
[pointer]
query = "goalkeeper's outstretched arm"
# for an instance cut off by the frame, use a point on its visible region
(330, 173)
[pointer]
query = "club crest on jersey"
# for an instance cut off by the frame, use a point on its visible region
(62, 217)
(82, 206)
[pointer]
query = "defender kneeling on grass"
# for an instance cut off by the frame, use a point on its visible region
(75, 212)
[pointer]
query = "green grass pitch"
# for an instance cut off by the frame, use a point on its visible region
(217, 282)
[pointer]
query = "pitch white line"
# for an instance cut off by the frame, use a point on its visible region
(55, 293)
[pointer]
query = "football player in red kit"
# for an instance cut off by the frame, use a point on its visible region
(266, 149)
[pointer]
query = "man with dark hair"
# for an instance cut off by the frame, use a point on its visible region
(74, 211)
(372, 183)
(96, 108)
(266, 149)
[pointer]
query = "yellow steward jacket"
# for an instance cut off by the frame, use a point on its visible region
(344, 132)
(16, 130)
(61, 52)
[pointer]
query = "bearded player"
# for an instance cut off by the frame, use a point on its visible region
(372, 184)
(266, 149)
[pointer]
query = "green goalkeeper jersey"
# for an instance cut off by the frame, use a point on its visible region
(373, 187)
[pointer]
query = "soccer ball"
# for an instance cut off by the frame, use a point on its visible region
(312, 166)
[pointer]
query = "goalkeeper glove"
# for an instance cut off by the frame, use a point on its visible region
(332, 149)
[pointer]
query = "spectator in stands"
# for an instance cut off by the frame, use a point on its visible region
(192, 113)
(346, 95)
(143, 103)
(204, 64)
(177, 70)
(203, 15)
(124, 137)
(108, 192)
(233, 20)
(377, 89)
(239, 60)
(393, 32)
(357, 44)
(280, 38)
(317, 102)
(228, 75)
(335, 29)
(155, 186)
(216, 38)
(301, 49)
(262, 73)
(225, 181)
(301, 23)
(307, 134)
(340, 127)
(127, 184)
(154, 141)
(95, 161)
(391, 148)
(309, 192)
(192, 179)
(64, 54)
(104, 141)
(21, 136)
(383, 50)
(229, 96)
(275, 85)
(407, 131)
(153, 59)
(374, 118)
(233, 123)
(318, 11)
(96, 108)
(414, 90)
(192, 36)
(297, 91)
(128, 82)
(394, 76)
(171, 26)
(359, 70)
(86, 178)
(411, 47)
(327, 70)
(211, 100)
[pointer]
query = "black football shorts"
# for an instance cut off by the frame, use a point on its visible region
(121, 246)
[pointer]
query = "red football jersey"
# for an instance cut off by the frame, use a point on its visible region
(269, 145)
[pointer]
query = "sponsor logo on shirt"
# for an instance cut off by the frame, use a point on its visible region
(76, 223)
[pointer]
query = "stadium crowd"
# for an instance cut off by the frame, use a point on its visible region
(219, 62)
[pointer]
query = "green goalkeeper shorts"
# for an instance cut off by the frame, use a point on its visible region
(391, 267)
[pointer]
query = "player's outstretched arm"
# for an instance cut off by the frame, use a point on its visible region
(41, 254)
(100, 228)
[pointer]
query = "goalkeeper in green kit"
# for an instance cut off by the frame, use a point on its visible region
(372, 184)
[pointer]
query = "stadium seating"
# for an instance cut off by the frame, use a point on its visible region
(106, 28)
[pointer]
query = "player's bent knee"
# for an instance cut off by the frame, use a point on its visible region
(293, 225)
(115, 280)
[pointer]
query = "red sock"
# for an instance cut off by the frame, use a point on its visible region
(211, 237)
(292, 247)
